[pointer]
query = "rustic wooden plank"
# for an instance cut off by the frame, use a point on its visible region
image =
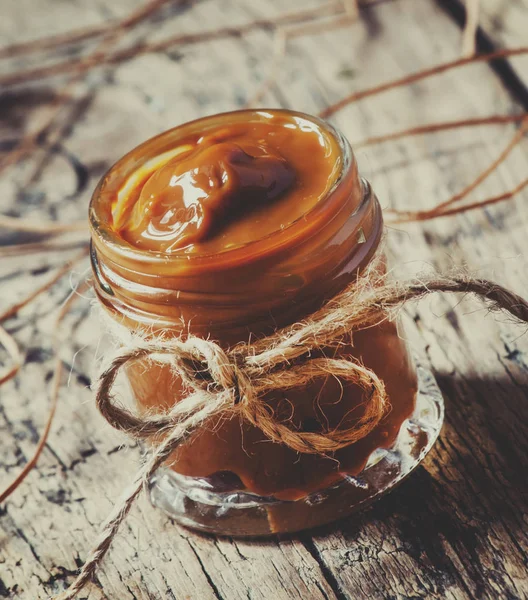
(455, 529)
(118, 118)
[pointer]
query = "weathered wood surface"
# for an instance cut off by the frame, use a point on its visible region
(458, 527)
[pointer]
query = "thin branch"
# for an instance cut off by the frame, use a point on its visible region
(55, 386)
(17, 359)
(78, 65)
(489, 201)
(466, 207)
(63, 270)
(38, 247)
(314, 28)
(469, 35)
(351, 8)
(519, 135)
(279, 51)
(435, 127)
(55, 41)
(440, 208)
(28, 467)
(282, 36)
(34, 226)
(408, 79)
(109, 40)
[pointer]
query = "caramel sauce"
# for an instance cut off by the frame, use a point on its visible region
(264, 201)
(228, 187)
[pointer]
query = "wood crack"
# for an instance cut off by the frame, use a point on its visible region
(208, 577)
(456, 529)
(328, 574)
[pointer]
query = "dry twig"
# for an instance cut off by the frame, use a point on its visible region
(28, 467)
(466, 207)
(63, 270)
(440, 209)
(80, 66)
(285, 33)
(34, 226)
(111, 37)
(55, 41)
(279, 51)
(17, 359)
(351, 8)
(469, 36)
(443, 126)
(44, 246)
(55, 386)
(408, 79)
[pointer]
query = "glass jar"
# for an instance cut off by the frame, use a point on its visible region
(228, 478)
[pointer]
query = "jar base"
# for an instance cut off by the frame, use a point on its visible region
(193, 505)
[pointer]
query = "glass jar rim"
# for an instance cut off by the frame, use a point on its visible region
(101, 231)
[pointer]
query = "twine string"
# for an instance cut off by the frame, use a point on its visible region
(231, 381)
(217, 377)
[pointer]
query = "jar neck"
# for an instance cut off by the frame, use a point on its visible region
(249, 290)
(250, 299)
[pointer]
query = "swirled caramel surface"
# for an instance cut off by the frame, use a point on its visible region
(227, 187)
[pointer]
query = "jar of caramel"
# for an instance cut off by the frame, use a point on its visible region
(230, 227)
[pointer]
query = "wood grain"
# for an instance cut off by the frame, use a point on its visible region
(457, 528)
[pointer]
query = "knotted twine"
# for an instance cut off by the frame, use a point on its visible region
(230, 382)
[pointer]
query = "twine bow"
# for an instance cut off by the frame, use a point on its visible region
(232, 381)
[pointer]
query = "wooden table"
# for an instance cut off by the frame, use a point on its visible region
(458, 527)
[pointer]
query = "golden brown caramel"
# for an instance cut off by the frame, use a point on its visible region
(227, 187)
(291, 226)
